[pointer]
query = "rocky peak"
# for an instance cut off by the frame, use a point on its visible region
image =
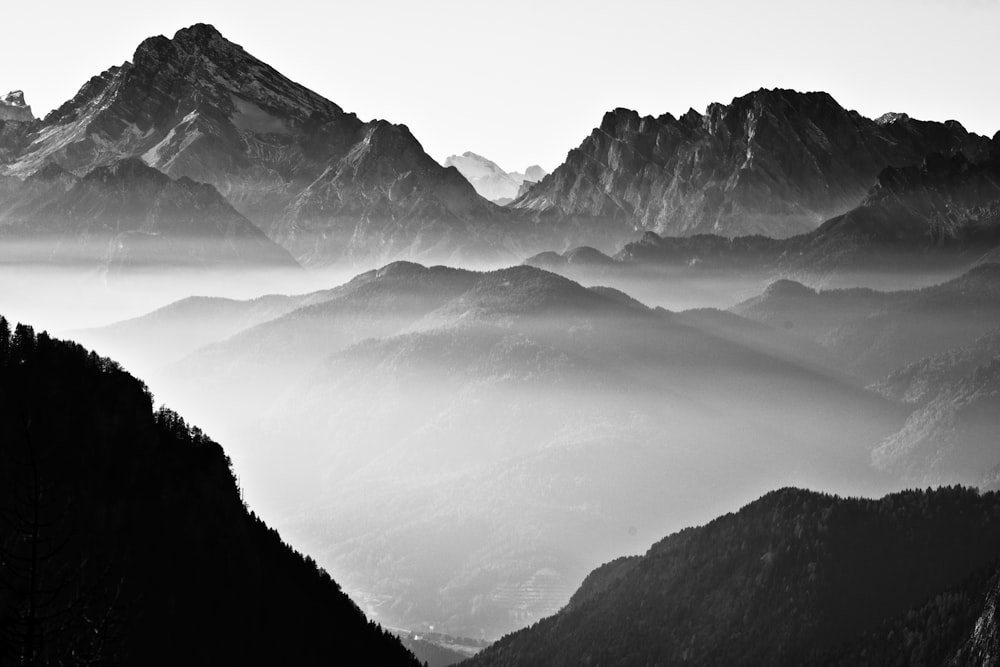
(534, 173)
(774, 162)
(785, 288)
(13, 107)
(14, 98)
(891, 117)
(620, 119)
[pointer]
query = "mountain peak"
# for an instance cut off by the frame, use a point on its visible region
(891, 117)
(201, 32)
(14, 98)
(13, 107)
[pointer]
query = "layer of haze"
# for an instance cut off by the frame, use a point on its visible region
(523, 82)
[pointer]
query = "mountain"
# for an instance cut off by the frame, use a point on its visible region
(534, 173)
(316, 179)
(951, 435)
(773, 162)
(875, 333)
(120, 521)
(788, 579)
(941, 213)
(489, 180)
(470, 432)
(486, 176)
(169, 334)
(128, 214)
(13, 107)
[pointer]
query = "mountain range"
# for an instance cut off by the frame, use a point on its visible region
(331, 188)
(773, 162)
(316, 179)
(528, 396)
(943, 213)
(490, 180)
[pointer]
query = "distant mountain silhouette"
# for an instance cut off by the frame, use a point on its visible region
(125, 539)
(491, 181)
(793, 578)
(875, 333)
(126, 214)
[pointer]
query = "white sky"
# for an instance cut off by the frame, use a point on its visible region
(522, 81)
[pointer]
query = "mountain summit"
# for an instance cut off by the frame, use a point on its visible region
(490, 180)
(315, 178)
(13, 107)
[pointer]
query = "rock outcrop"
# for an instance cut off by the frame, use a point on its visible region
(13, 107)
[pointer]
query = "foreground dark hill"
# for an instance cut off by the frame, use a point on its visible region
(125, 539)
(789, 579)
(471, 432)
(128, 215)
(316, 179)
(773, 162)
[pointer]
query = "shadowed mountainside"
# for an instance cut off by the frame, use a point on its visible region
(786, 580)
(128, 215)
(120, 522)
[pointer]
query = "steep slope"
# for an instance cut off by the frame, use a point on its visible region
(941, 212)
(983, 644)
(783, 581)
(318, 180)
(773, 162)
(129, 214)
(120, 522)
(472, 432)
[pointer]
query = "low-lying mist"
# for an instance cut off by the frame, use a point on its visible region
(461, 448)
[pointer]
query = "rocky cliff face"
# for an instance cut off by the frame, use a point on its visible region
(13, 107)
(982, 648)
(945, 209)
(773, 162)
(315, 178)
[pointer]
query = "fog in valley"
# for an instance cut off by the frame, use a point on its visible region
(461, 447)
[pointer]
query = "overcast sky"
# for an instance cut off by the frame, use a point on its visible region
(522, 81)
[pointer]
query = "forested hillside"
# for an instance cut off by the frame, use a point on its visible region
(125, 539)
